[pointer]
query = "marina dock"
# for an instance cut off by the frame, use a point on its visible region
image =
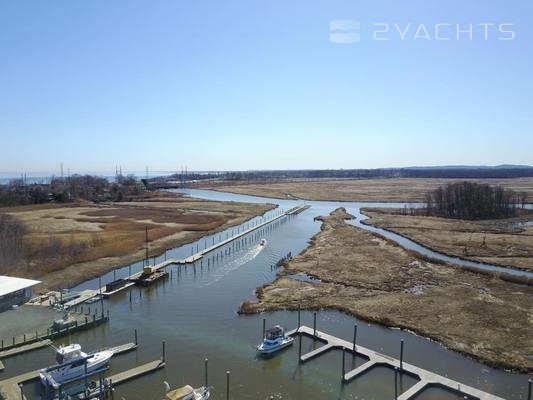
(426, 378)
(10, 389)
(25, 348)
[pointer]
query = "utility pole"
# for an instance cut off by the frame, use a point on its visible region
(146, 241)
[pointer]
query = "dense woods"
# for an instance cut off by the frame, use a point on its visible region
(469, 200)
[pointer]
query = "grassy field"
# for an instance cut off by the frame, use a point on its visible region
(401, 189)
(372, 278)
(66, 244)
(507, 242)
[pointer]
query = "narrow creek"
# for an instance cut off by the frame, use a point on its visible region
(195, 313)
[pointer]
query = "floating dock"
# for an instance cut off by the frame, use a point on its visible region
(426, 378)
(25, 348)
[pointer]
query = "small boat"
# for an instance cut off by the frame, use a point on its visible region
(275, 339)
(263, 242)
(71, 363)
(188, 393)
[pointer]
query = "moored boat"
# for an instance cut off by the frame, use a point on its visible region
(188, 393)
(275, 339)
(71, 363)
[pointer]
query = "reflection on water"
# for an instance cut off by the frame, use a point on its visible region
(194, 311)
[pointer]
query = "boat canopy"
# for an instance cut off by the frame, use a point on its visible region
(275, 332)
(180, 394)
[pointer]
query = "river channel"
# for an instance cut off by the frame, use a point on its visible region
(195, 314)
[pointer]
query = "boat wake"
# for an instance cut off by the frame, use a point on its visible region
(232, 265)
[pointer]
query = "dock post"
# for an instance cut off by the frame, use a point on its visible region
(401, 355)
(314, 325)
(264, 328)
(298, 327)
(136, 342)
(354, 337)
(163, 352)
(343, 364)
(227, 385)
(129, 271)
(205, 363)
(300, 348)
(21, 391)
(395, 383)
(114, 274)
(529, 385)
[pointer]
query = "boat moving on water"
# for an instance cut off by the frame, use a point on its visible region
(71, 363)
(275, 339)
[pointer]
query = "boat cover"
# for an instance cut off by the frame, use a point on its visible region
(180, 393)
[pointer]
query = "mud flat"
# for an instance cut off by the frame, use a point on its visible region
(68, 244)
(393, 189)
(505, 242)
(369, 277)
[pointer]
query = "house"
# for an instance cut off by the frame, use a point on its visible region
(15, 291)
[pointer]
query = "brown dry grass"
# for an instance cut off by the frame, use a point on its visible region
(68, 244)
(366, 276)
(397, 189)
(505, 242)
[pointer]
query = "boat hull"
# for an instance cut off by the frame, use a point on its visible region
(262, 349)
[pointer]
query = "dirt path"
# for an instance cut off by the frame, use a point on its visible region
(374, 279)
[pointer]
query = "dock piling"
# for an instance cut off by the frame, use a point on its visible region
(395, 383)
(298, 327)
(205, 363)
(343, 364)
(299, 348)
(354, 337)
(401, 354)
(529, 388)
(314, 325)
(227, 385)
(136, 341)
(163, 352)
(264, 328)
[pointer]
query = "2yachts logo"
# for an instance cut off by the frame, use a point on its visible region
(349, 31)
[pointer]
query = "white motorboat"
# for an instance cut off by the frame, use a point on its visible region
(71, 363)
(275, 339)
(263, 242)
(188, 393)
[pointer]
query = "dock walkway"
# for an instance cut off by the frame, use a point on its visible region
(375, 358)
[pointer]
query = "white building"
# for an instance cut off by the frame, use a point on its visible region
(15, 291)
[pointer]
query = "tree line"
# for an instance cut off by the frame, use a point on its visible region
(470, 200)
(64, 190)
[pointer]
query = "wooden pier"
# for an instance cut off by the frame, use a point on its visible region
(25, 348)
(426, 378)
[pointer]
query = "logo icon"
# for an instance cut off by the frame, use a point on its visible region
(344, 31)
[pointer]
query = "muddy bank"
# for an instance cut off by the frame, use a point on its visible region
(376, 280)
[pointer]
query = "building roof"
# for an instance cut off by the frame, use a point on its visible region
(9, 284)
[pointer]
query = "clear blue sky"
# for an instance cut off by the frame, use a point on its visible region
(255, 84)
